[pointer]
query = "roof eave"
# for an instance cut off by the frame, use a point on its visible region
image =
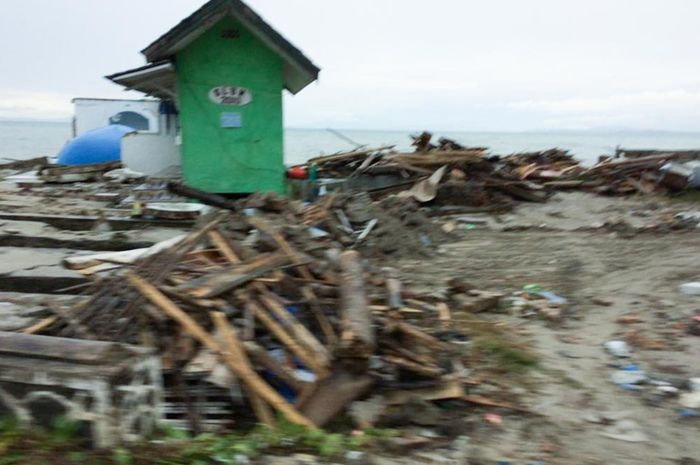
(157, 80)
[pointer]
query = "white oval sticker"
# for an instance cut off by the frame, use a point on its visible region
(230, 95)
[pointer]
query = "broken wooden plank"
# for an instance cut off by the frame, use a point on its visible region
(283, 372)
(261, 409)
(333, 395)
(294, 256)
(418, 335)
(450, 389)
(40, 326)
(415, 367)
(224, 247)
(194, 329)
(285, 338)
(299, 331)
(317, 310)
(215, 284)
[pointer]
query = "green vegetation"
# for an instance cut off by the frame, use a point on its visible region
(62, 446)
(687, 196)
(506, 355)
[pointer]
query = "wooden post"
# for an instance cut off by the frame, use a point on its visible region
(357, 332)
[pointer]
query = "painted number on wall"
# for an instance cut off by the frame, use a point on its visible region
(230, 95)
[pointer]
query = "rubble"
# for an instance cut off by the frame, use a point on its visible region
(276, 308)
(471, 177)
(334, 321)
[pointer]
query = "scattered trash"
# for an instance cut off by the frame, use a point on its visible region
(625, 430)
(629, 376)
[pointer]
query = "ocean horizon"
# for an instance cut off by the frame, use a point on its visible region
(22, 139)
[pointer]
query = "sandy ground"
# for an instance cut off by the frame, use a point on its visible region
(553, 245)
(640, 275)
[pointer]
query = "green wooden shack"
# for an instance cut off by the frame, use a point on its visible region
(225, 69)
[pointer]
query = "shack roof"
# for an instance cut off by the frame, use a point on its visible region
(299, 71)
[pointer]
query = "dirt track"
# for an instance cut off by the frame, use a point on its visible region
(639, 275)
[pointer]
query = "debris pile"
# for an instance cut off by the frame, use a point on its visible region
(300, 331)
(446, 174)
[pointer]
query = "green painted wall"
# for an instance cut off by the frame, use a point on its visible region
(231, 160)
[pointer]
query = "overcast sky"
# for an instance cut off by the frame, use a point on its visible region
(396, 64)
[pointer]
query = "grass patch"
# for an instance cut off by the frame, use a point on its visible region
(506, 355)
(60, 446)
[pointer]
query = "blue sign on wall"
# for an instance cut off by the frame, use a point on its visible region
(231, 120)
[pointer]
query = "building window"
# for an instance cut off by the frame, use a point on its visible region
(131, 119)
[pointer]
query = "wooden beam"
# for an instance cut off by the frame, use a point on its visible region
(222, 244)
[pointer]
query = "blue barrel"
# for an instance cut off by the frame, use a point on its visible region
(100, 145)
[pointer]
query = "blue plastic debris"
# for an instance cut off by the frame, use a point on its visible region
(552, 297)
(629, 376)
(100, 145)
(317, 232)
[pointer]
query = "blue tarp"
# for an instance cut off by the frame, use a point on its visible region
(97, 146)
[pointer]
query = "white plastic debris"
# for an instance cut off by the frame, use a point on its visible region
(618, 349)
(690, 288)
(628, 377)
(123, 174)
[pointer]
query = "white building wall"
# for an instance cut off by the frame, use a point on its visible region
(152, 154)
(96, 113)
(149, 151)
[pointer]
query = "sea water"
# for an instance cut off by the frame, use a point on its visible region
(25, 139)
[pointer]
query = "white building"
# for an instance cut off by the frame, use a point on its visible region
(152, 148)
